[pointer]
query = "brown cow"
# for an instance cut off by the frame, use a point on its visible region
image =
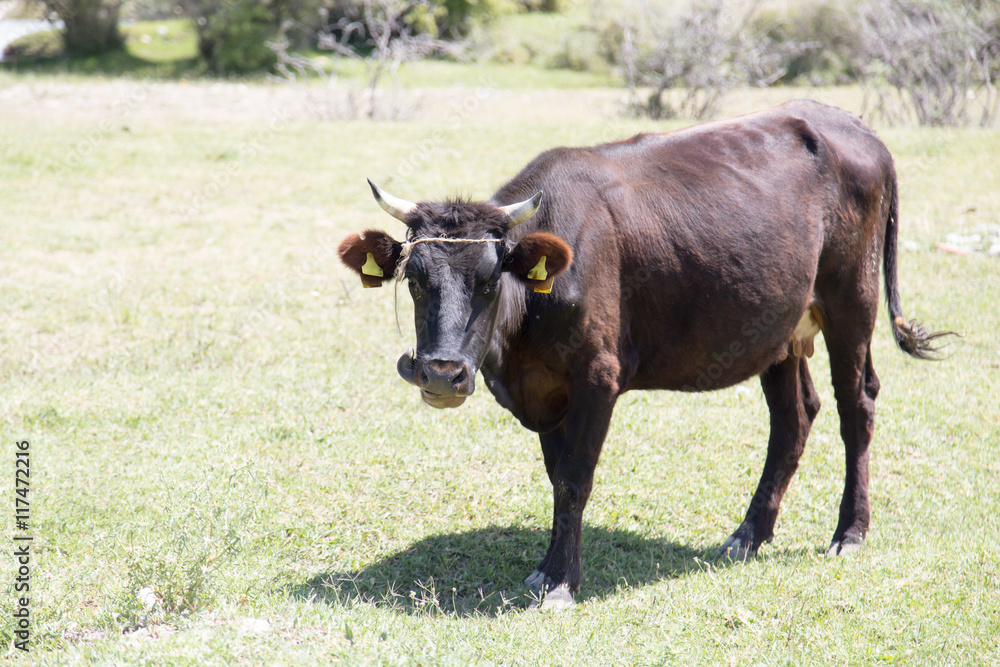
(691, 261)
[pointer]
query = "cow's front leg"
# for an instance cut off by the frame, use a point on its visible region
(552, 447)
(572, 479)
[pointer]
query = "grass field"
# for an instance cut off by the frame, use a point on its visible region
(214, 412)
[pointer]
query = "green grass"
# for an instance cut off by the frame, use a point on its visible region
(214, 413)
(444, 73)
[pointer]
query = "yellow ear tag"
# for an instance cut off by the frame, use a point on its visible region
(538, 272)
(371, 268)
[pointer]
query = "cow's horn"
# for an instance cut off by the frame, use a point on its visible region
(518, 213)
(394, 206)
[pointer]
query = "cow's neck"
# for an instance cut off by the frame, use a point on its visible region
(510, 313)
(509, 322)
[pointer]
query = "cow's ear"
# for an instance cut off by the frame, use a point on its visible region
(373, 255)
(538, 258)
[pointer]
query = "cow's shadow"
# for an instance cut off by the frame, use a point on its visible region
(480, 572)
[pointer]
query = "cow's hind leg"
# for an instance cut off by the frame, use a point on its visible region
(855, 386)
(793, 403)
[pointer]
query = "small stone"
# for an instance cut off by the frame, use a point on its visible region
(256, 626)
(147, 598)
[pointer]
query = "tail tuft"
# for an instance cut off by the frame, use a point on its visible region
(913, 339)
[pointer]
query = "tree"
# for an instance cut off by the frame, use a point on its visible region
(91, 26)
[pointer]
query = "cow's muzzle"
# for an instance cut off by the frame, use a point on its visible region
(442, 383)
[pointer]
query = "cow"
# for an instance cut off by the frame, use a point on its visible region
(688, 260)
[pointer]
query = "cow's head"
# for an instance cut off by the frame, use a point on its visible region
(455, 259)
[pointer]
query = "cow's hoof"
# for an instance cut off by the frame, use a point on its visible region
(737, 549)
(535, 580)
(557, 599)
(844, 547)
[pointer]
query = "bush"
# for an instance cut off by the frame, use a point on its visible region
(546, 5)
(932, 61)
(454, 19)
(692, 61)
(203, 539)
(829, 47)
(462, 16)
(940, 59)
(233, 36)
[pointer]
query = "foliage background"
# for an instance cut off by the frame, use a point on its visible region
(934, 62)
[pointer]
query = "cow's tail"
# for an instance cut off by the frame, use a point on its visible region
(911, 337)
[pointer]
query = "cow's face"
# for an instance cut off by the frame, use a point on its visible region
(457, 261)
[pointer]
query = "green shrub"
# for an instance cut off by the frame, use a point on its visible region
(546, 5)
(438, 18)
(462, 16)
(232, 37)
(827, 48)
(202, 538)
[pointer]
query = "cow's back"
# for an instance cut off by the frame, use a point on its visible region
(710, 233)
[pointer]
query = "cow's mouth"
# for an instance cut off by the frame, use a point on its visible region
(439, 401)
(406, 367)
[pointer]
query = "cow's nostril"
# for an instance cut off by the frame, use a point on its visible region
(445, 378)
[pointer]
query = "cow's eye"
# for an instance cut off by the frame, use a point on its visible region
(488, 287)
(416, 291)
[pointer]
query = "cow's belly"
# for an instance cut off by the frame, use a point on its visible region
(723, 305)
(720, 347)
